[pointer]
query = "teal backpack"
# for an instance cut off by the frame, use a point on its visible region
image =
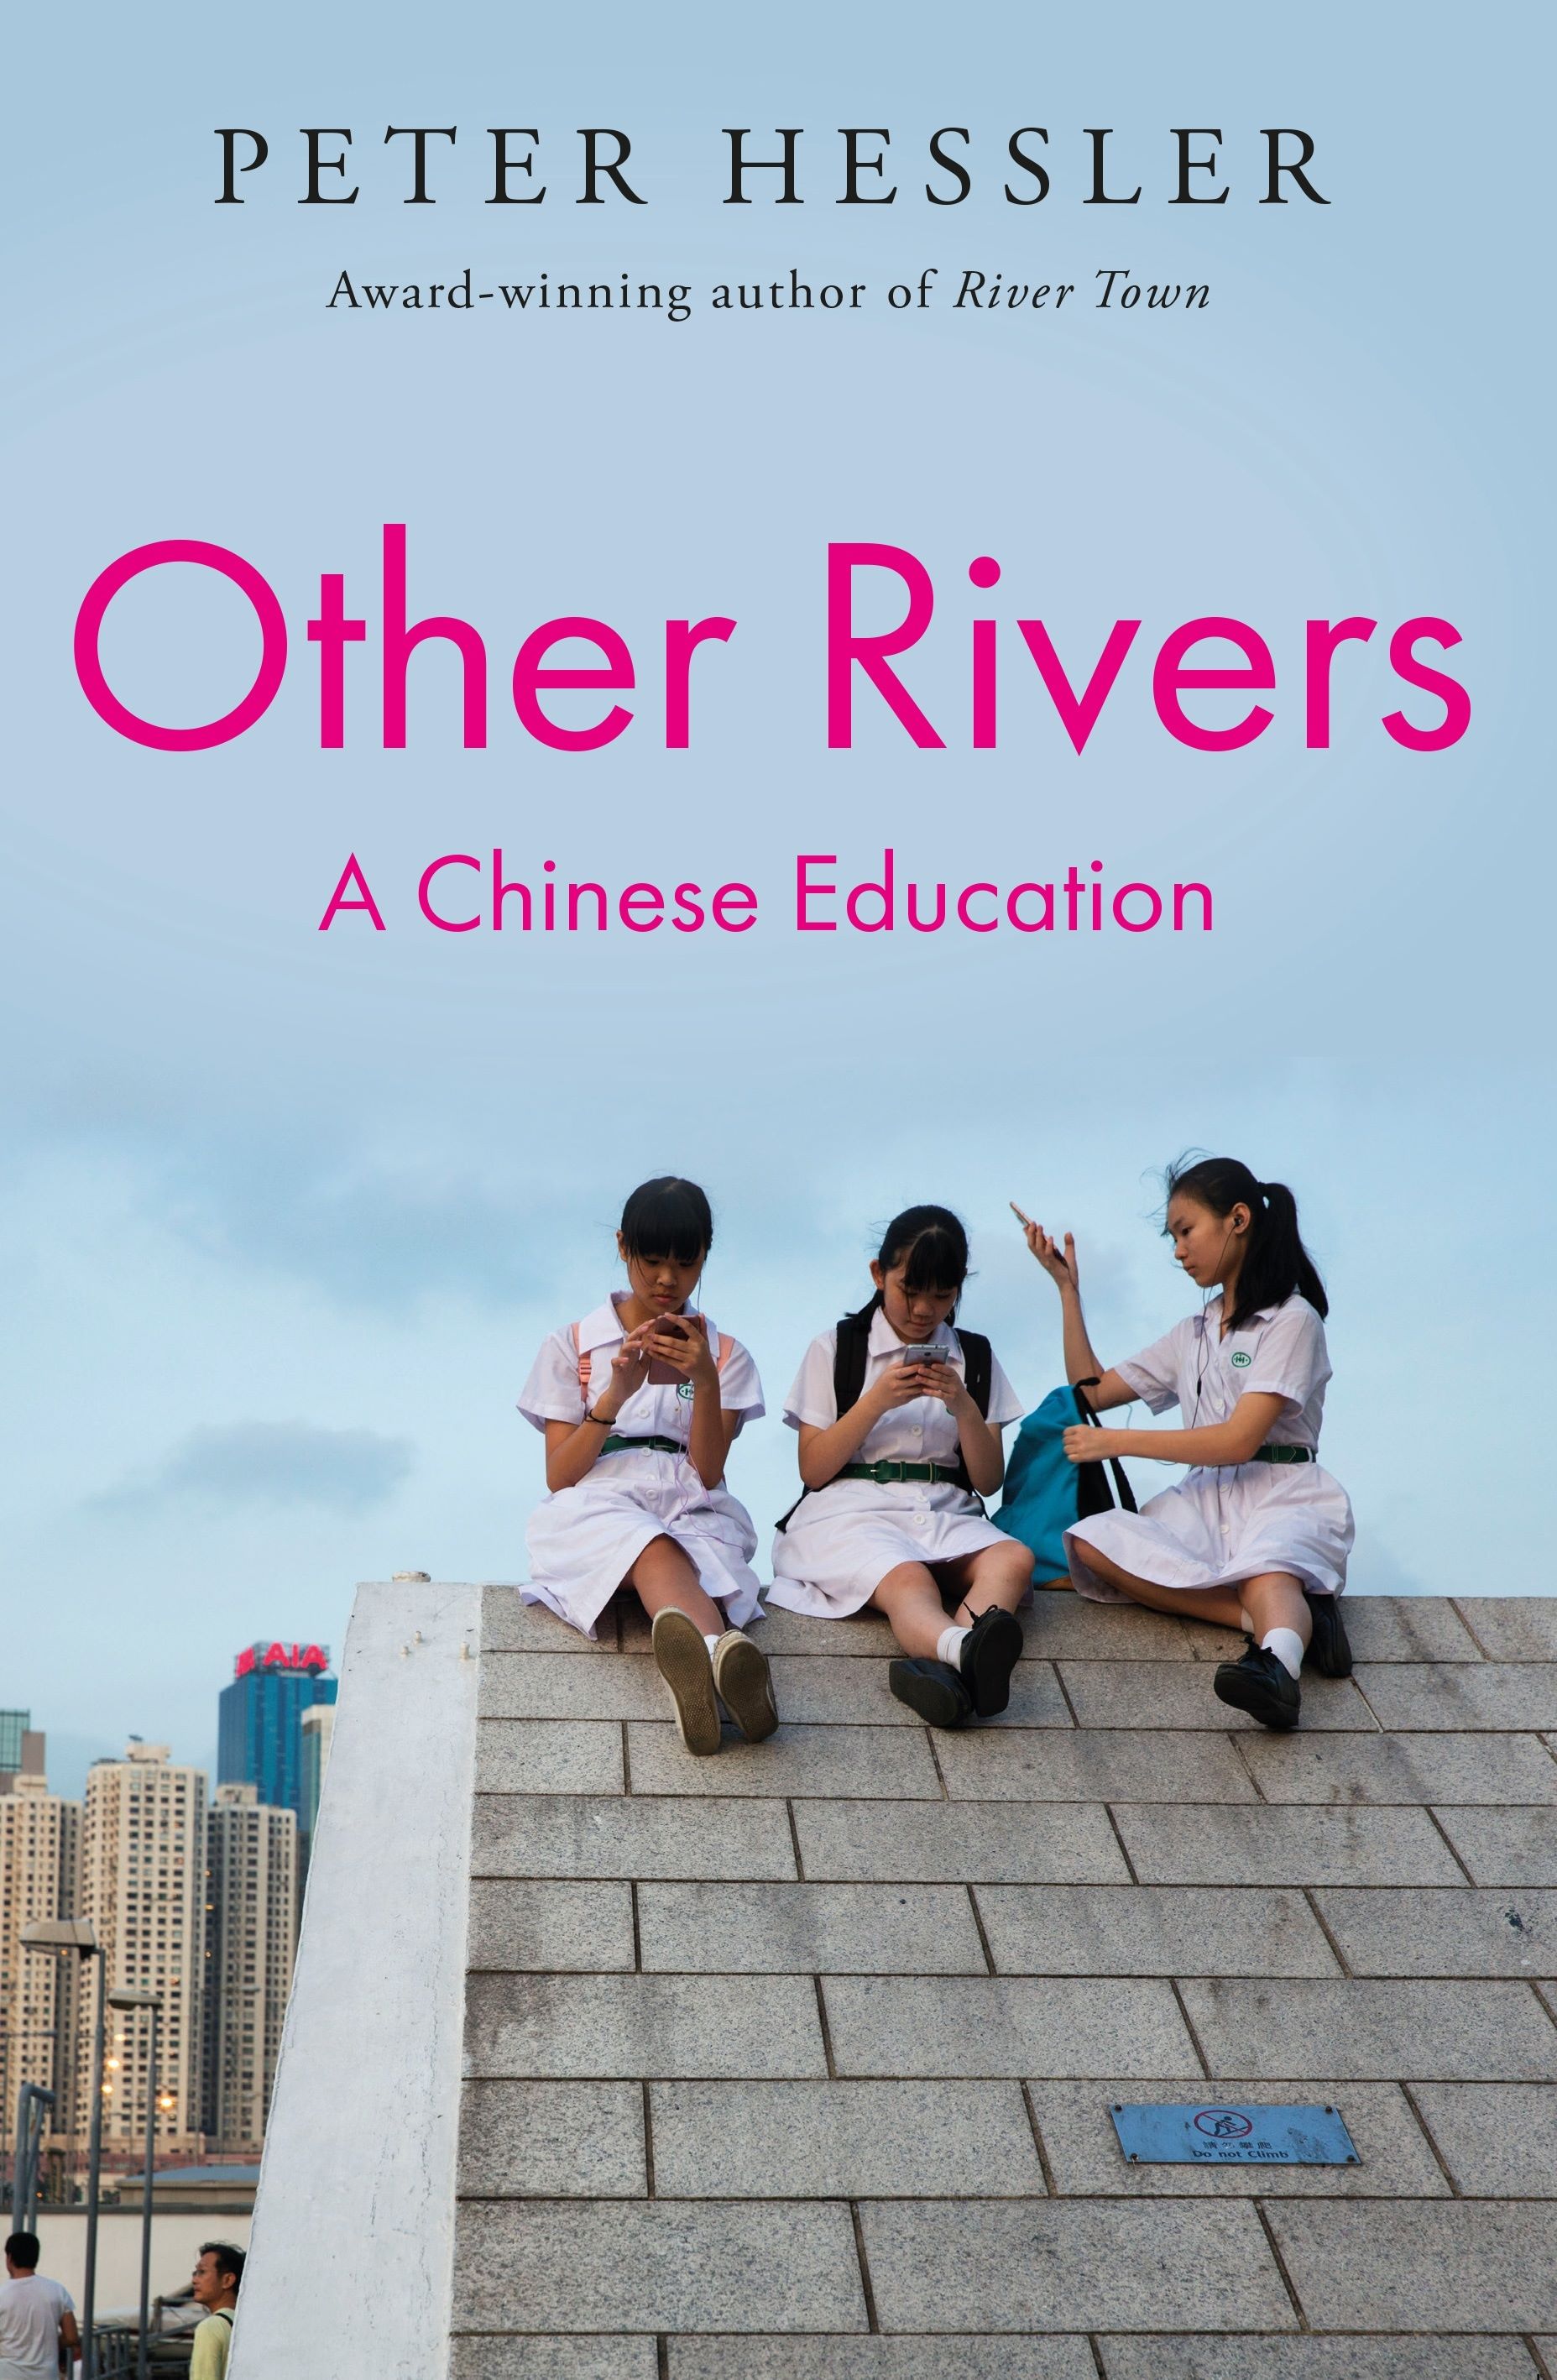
(1045, 1493)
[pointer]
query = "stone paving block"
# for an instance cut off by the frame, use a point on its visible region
(1179, 1695)
(1512, 1627)
(1285, 1846)
(553, 2140)
(550, 1928)
(978, 1841)
(1315, 2359)
(843, 2140)
(554, 2359)
(1407, 1628)
(804, 1929)
(656, 2264)
(535, 1685)
(509, 1627)
(1026, 1765)
(811, 1690)
(1444, 1932)
(1461, 1694)
(866, 1633)
(1382, 1769)
(1005, 2024)
(884, 2359)
(891, 1764)
(1208, 1644)
(562, 1834)
(1499, 2140)
(1496, 2031)
(607, 2026)
(1457, 2265)
(1086, 2160)
(1504, 1846)
(516, 1755)
(1048, 2265)
(1110, 1929)
(1068, 1626)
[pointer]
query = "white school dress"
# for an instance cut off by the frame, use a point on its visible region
(583, 1540)
(1227, 1522)
(844, 1538)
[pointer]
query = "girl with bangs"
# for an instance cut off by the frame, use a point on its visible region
(899, 1418)
(640, 1404)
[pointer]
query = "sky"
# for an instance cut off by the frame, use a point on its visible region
(287, 1213)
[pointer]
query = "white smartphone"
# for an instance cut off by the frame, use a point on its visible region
(929, 1354)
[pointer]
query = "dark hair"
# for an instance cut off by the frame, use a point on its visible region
(230, 2261)
(1277, 1263)
(931, 1245)
(22, 2248)
(668, 1217)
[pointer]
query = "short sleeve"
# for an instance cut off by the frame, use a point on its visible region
(1291, 1360)
(1005, 1405)
(552, 1391)
(811, 1401)
(1153, 1374)
(740, 1388)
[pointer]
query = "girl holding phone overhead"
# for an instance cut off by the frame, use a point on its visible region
(899, 1418)
(1257, 1535)
(640, 1404)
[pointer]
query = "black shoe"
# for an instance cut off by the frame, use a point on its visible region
(933, 1688)
(1328, 1648)
(990, 1652)
(1259, 1685)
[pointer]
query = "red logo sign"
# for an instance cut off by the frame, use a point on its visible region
(281, 1657)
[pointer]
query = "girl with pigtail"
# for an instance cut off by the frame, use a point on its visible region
(1257, 1535)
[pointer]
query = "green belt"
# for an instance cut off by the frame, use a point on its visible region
(886, 1473)
(651, 1445)
(1285, 1454)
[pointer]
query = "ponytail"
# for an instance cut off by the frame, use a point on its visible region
(1276, 1265)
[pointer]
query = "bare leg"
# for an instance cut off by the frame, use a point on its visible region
(995, 1574)
(666, 1581)
(1274, 1600)
(912, 1601)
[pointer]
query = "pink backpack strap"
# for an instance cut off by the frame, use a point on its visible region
(583, 1355)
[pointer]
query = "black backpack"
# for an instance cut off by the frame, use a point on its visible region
(849, 1358)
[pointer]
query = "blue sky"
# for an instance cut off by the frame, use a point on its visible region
(288, 1213)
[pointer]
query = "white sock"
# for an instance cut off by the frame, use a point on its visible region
(1287, 1646)
(949, 1645)
(712, 1641)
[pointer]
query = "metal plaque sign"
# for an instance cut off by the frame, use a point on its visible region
(1218, 2133)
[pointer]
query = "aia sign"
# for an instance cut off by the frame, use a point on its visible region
(281, 1657)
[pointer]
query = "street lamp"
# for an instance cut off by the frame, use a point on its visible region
(79, 1934)
(132, 1996)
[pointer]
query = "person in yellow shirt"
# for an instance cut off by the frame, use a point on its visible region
(216, 2277)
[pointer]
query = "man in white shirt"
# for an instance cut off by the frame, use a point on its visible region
(36, 2315)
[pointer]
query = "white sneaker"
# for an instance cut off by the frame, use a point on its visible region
(681, 1658)
(744, 1685)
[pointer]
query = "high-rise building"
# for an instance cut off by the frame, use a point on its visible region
(319, 1733)
(142, 1884)
(251, 1891)
(21, 1751)
(260, 1735)
(40, 1852)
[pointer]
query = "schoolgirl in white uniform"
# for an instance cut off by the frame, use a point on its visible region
(1257, 1535)
(640, 1404)
(891, 1512)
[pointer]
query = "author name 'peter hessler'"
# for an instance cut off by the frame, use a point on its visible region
(467, 893)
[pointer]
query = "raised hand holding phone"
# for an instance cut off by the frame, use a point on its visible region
(1058, 1261)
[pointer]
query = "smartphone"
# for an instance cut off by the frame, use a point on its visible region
(672, 1325)
(1025, 1220)
(929, 1354)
